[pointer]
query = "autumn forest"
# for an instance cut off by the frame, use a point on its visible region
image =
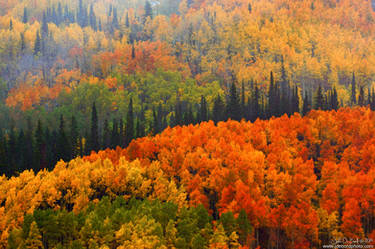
(231, 124)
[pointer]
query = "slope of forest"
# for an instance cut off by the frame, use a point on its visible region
(50, 50)
(291, 182)
(148, 65)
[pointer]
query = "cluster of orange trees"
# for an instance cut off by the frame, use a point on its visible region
(300, 181)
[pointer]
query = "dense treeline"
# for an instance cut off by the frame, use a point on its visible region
(42, 146)
(288, 182)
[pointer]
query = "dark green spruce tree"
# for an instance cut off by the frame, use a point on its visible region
(306, 104)
(319, 99)
(218, 111)
(94, 135)
(63, 144)
(129, 128)
(233, 104)
(353, 97)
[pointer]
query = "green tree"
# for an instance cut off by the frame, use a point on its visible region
(319, 99)
(353, 97)
(37, 44)
(94, 136)
(129, 128)
(25, 17)
(233, 105)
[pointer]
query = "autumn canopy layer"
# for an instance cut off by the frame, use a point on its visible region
(300, 181)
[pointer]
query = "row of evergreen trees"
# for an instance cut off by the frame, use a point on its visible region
(39, 147)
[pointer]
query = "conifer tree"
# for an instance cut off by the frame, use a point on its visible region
(361, 97)
(127, 24)
(44, 25)
(62, 141)
(115, 135)
(319, 99)
(306, 104)
(334, 99)
(37, 44)
(39, 147)
(203, 111)
(148, 11)
(233, 105)
(106, 135)
(353, 97)
(74, 137)
(25, 17)
(218, 111)
(129, 128)
(92, 18)
(94, 136)
(115, 23)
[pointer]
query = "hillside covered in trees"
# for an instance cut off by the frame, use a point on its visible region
(148, 65)
(291, 182)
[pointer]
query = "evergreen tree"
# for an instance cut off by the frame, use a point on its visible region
(121, 133)
(74, 137)
(353, 98)
(92, 18)
(271, 97)
(189, 116)
(233, 105)
(285, 106)
(133, 51)
(140, 131)
(306, 104)
(59, 19)
(178, 113)
(361, 97)
(44, 25)
(12, 148)
(243, 101)
(334, 99)
(372, 105)
(218, 113)
(249, 8)
(37, 44)
(29, 154)
(106, 135)
(295, 101)
(203, 111)
(256, 111)
(39, 147)
(148, 11)
(94, 136)
(115, 23)
(115, 135)
(319, 99)
(10, 25)
(127, 24)
(22, 164)
(23, 44)
(63, 149)
(129, 128)
(100, 25)
(25, 17)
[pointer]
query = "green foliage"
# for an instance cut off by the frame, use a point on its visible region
(117, 223)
